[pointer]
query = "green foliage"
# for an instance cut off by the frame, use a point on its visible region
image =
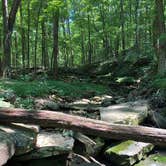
(36, 88)
(27, 103)
(159, 83)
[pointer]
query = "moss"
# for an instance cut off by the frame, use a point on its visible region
(155, 159)
(159, 158)
(121, 147)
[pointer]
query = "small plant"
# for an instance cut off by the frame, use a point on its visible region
(27, 103)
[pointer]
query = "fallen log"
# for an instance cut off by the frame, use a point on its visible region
(84, 125)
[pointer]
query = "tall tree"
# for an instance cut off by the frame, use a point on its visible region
(160, 36)
(55, 41)
(8, 24)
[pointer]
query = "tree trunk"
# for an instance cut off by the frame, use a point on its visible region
(8, 24)
(28, 36)
(15, 57)
(22, 37)
(137, 46)
(65, 45)
(55, 42)
(159, 36)
(36, 36)
(45, 58)
(84, 125)
(122, 19)
(89, 42)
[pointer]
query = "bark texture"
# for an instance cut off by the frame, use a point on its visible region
(84, 125)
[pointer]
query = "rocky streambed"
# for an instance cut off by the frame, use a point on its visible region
(31, 145)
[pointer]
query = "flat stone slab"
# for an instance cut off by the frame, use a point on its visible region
(5, 104)
(130, 113)
(154, 160)
(24, 138)
(127, 153)
(50, 144)
(46, 104)
(7, 147)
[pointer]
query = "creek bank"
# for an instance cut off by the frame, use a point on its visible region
(61, 144)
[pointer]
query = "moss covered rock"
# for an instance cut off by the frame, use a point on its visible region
(127, 153)
(154, 160)
(131, 113)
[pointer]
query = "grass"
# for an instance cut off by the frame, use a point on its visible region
(159, 83)
(41, 88)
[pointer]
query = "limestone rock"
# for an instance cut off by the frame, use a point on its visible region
(5, 104)
(7, 147)
(88, 146)
(154, 160)
(78, 160)
(46, 104)
(108, 101)
(159, 117)
(131, 113)
(127, 153)
(23, 137)
(9, 96)
(50, 144)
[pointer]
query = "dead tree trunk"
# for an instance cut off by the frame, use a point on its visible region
(84, 125)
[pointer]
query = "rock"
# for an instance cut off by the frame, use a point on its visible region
(88, 146)
(5, 104)
(34, 128)
(159, 118)
(131, 113)
(120, 100)
(127, 153)
(7, 147)
(78, 160)
(23, 137)
(52, 106)
(8, 96)
(154, 160)
(108, 101)
(83, 104)
(46, 104)
(50, 144)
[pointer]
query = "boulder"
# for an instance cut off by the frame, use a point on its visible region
(83, 104)
(9, 96)
(108, 101)
(7, 147)
(46, 104)
(5, 104)
(88, 146)
(158, 159)
(127, 153)
(24, 138)
(130, 113)
(159, 117)
(50, 144)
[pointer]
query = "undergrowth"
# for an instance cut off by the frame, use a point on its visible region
(42, 88)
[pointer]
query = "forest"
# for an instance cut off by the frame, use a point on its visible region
(83, 82)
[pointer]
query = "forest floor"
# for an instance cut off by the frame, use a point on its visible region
(80, 95)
